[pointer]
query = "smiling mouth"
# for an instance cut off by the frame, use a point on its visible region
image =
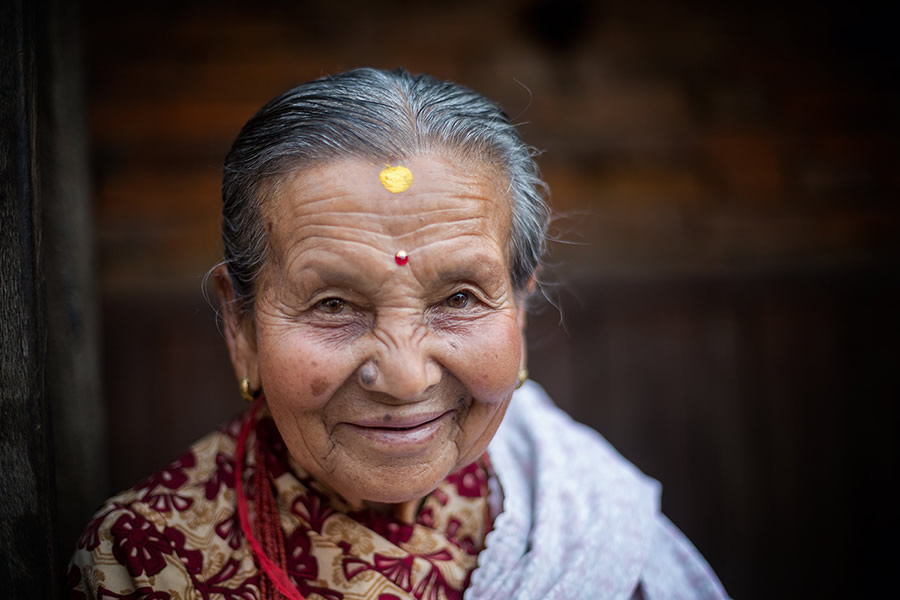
(386, 427)
(410, 432)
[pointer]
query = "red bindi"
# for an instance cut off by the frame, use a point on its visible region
(401, 258)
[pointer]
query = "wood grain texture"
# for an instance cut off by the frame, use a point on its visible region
(73, 377)
(27, 568)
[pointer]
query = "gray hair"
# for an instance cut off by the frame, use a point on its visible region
(383, 116)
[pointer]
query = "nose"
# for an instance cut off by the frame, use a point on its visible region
(402, 365)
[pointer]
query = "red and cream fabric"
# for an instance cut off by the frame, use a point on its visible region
(177, 535)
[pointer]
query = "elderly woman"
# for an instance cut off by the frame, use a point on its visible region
(382, 234)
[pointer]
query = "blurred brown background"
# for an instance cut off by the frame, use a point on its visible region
(726, 177)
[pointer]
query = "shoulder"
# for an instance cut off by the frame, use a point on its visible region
(158, 535)
(567, 491)
(675, 570)
(540, 432)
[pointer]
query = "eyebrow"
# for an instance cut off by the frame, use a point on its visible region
(473, 270)
(333, 277)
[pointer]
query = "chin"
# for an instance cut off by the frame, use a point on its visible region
(394, 497)
(395, 485)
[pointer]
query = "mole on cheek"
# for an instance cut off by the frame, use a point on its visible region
(318, 385)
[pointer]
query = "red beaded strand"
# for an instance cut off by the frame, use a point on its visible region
(266, 517)
(267, 521)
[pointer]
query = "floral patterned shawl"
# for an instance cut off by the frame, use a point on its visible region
(177, 534)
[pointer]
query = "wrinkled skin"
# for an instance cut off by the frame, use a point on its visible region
(383, 379)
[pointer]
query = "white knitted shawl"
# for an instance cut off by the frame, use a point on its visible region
(578, 520)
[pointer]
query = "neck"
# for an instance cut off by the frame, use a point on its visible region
(402, 511)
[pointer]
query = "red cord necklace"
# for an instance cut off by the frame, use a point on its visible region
(267, 522)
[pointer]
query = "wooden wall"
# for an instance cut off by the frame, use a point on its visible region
(726, 178)
(27, 523)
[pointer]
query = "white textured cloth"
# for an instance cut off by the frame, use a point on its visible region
(578, 520)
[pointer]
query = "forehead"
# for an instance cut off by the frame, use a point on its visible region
(350, 192)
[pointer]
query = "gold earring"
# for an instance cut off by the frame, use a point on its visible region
(523, 375)
(244, 387)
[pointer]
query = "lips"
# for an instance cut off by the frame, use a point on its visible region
(394, 421)
(401, 431)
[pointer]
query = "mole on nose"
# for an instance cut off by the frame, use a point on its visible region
(368, 374)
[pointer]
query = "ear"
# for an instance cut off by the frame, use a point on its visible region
(522, 316)
(522, 300)
(240, 333)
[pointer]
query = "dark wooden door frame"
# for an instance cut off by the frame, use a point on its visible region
(52, 426)
(27, 512)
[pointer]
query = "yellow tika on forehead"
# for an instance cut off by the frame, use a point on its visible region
(396, 179)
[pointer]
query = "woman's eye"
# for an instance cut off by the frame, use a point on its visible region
(458, 300)
(332, 306)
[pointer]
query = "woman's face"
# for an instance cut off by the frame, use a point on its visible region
(382, 377)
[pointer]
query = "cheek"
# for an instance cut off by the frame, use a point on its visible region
(487, 361)
(297, 372)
